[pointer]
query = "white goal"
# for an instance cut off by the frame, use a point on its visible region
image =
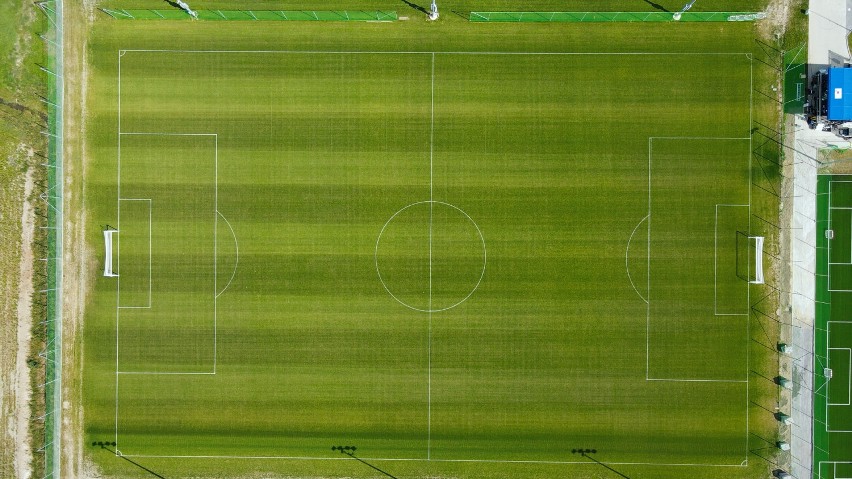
(108, 235)
(758, 259)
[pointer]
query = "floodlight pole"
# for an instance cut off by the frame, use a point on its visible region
(433, 11)
(686, 7)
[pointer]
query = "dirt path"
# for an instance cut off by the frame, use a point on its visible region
(78, 261)
(21, 381)
(777, 18)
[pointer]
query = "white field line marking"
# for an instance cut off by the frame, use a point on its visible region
(716, 262)
(848, 379)
(830, 226)
(699, 380)
(830, 187)
(834, 469)
(404, 459)
(481, 239)
(142, 133)
(118, 240)
(123, 52)
(648, 273)
(431, 207)
(216, 214)
(627, 256)
(351, 52)
(150, 277)
(167, 373)
(237, 246)
(697, 138)
(748, 285)
(648, 309)
(827, 405)
(216, 248)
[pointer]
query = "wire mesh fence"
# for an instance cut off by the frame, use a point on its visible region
(53, 290)
(279, 15)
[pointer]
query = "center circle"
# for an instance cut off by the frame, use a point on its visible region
(430, 256)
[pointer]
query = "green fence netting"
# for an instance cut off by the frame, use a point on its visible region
(53, 262)
(613, 16)
(795, 79)
(279, 15)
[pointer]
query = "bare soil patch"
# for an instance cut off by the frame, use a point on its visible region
(78, 261)
(22, 386)
(777, 18)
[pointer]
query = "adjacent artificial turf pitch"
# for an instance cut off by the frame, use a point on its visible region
(833, 397)
(486, 258)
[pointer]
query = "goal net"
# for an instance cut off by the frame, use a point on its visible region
(108, 235)
(758, 259)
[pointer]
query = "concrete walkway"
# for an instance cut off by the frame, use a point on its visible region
(803, 286)
(829, 22)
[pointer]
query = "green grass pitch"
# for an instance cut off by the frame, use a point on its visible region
(465, 258)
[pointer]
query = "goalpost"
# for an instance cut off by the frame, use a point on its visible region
(758, 259)
(108, 235)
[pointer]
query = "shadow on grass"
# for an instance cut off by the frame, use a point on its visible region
(415, 6)
(656, 5)
(350, 451)
(586, 453)
(140, 466)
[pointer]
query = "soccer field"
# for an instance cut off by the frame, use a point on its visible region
(444, 258)
(833, 375)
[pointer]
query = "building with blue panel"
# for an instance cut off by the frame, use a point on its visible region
(840, 94)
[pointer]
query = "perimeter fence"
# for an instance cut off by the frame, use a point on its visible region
(53, 261)
(795, 79)
(251, 15)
